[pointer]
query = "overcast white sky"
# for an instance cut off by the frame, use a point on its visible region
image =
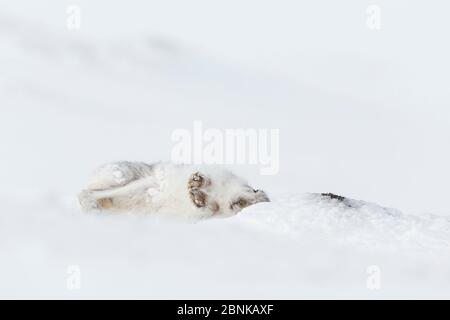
(260, 32)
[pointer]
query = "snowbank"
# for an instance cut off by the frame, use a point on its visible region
(301, 246)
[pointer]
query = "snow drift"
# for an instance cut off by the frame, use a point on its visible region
(298, 246)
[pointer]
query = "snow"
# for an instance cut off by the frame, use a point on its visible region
(299, 246)
(359, 114)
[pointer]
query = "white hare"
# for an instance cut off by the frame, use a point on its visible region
(182, 190)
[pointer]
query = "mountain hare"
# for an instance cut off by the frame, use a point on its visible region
(182, 190)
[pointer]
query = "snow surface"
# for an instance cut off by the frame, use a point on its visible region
(299, 246)
(360, 114)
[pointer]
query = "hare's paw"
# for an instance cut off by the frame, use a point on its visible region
(87, 201)
(198, 180)
(196, 186)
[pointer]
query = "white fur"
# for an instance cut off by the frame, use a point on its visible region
(163, 188)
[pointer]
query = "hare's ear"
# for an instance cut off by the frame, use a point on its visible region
(261, 196)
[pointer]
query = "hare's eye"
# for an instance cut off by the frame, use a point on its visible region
(242, 203)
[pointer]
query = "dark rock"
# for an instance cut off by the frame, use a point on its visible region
(333, 196)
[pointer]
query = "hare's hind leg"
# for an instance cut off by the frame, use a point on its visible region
(118, 174)
(108, 198)
(107, 182)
